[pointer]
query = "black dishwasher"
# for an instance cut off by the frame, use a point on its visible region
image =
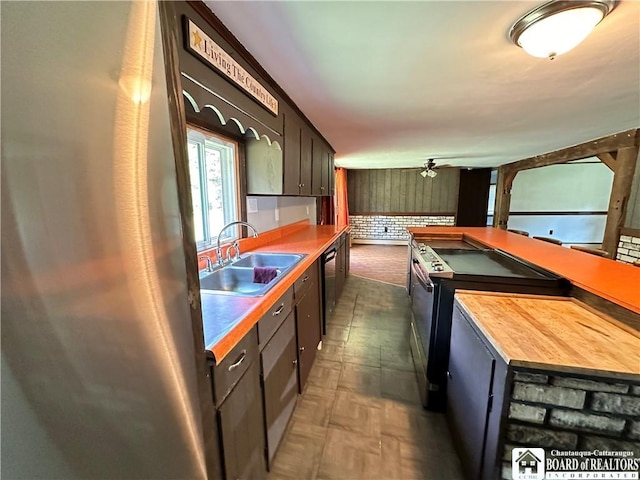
(328, 284)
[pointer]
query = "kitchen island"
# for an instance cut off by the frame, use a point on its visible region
(539, 372)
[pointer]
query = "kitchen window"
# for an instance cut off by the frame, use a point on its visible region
(213, 171)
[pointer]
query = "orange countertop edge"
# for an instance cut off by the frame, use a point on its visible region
(614, 281)
(299, 237)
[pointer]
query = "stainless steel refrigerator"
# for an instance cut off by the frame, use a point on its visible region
(101, 361)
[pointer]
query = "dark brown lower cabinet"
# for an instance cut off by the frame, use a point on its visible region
(241, 426)
(280, 382)
(308, 331)
(475, 390)
(469, 391)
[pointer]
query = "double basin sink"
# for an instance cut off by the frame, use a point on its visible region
(237, 277)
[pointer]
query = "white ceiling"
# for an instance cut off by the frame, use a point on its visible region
(390, 84)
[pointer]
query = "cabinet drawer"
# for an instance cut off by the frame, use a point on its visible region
(227, 373)
(271, 320)
(308, 278)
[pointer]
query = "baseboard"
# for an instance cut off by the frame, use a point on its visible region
(367, 241)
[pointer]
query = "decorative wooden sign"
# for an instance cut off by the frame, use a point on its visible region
(201, 45)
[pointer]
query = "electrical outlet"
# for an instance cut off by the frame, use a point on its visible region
(277, 214)
(307, 209)
(252, 205)
(550, 232)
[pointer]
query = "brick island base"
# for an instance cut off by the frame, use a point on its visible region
(553, 411)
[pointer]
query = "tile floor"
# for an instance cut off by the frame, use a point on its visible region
(360, 415)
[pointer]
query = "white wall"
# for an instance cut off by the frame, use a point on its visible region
(557, 189)
(288, 210)
(568, 187)
(633, 207)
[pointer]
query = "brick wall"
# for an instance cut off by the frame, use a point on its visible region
(571, 413)
(372, 227)
(628, 249)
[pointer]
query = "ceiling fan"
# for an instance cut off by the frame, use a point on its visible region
(429, 169)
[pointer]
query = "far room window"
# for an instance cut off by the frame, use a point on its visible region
(213, 171)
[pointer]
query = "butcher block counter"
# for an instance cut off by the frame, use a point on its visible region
(538, 372)
(553, 332)
(227, 319)
(614, 281)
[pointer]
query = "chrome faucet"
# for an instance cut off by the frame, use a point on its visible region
(219, 250)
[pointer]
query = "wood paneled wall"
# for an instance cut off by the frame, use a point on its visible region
(403, 190)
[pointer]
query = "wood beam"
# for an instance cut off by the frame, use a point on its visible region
(608, 160)
(620, 191)
(503, 197)
(629, 138)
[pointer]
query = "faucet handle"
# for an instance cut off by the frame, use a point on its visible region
(236, 247)
(209, 267)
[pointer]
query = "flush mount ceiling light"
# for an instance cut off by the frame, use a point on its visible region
(558, 26)
(429, 169)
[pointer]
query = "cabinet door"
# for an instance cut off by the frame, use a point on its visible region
(332, 175)
(324, 187)
(339, 269)
(242, 429)
(306, 161)
(308, 329)
(471, 367)
(347, 254)
(292, 183)
(280, 381)
(264, 167)
(317, 177)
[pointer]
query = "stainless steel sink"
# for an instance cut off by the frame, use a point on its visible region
(232, 280)
(237, 278)
(277, 260)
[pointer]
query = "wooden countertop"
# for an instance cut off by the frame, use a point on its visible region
(227, 319)
(615, 281)
(556, 333)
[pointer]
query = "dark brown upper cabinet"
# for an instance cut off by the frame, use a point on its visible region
(292, 139)
(297, 155)
(306, 161)
(322, 168)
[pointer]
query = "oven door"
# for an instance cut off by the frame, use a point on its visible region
(422, 295)
(422, 302)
